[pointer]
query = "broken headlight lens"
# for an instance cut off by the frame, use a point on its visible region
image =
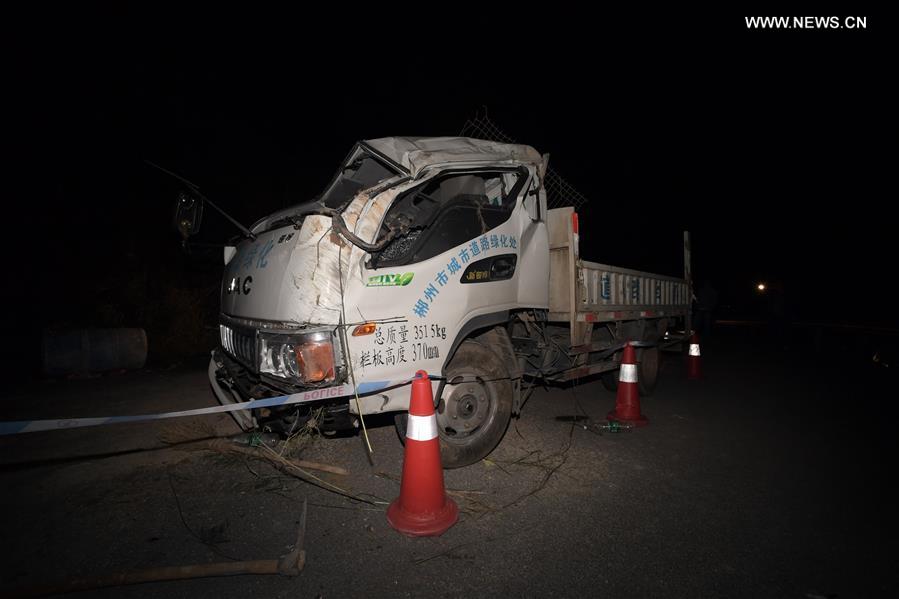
(302, 358)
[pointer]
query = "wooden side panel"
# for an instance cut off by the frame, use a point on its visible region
(561, 261)
(558, 221)
(559, 281)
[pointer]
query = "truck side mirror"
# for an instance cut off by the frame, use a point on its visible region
(188, 214)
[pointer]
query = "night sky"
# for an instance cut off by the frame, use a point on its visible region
(776, 149)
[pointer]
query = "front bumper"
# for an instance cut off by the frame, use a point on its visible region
(227, 395)
(232, 383)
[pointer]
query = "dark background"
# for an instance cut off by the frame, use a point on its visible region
(775, 148)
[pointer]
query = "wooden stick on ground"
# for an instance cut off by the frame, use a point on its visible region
(227, 446)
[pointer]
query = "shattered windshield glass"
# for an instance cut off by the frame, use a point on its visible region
(361, 171)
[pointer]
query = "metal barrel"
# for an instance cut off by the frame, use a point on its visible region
(93, 350)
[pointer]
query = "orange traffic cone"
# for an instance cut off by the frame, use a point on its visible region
(627, 402)
(694, 368)
(423, 508)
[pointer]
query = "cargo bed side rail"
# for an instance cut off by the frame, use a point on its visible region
(582, 291)
(608, 293)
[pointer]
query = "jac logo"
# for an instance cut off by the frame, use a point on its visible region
(235, 286)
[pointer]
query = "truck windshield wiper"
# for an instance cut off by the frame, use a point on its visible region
(196, 190)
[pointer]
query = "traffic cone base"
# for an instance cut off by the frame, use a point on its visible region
(640, 420)
(627, 401)
(423, 507)
(427, 524)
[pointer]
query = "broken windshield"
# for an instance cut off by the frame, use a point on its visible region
(362, 170)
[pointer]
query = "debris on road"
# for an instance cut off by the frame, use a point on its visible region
(265, 452)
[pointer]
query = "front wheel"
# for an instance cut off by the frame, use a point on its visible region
(475, 406)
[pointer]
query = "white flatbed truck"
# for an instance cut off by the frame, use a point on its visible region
(437, 254)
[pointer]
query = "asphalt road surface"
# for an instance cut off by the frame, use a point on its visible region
(769, 478)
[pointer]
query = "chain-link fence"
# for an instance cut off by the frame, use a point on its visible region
(558, 191)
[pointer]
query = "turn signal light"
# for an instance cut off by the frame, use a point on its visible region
(364, 329)
(316, 362)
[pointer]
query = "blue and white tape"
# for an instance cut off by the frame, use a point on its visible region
(314, 395)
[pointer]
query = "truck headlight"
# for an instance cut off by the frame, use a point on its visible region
(303, 358)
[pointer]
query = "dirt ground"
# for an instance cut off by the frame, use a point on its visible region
(768, 478)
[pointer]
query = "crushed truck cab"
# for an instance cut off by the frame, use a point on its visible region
(422, 254)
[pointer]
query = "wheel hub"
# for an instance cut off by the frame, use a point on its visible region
(464, 408)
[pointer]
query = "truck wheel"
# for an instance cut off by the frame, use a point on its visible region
(473, 413)
(647, 372)
(609, 380)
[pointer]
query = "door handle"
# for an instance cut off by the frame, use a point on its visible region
(502, 268)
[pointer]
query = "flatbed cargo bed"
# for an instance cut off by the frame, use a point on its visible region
(586, 294)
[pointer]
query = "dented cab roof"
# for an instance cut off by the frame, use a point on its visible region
(414, 154)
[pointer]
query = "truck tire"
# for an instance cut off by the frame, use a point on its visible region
(473, 414)
(609, 380)
(647, 372)
(648, 369)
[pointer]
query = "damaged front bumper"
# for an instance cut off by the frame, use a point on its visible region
(233, 383)
(226, 394)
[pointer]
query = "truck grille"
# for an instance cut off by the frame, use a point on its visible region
(240, 345)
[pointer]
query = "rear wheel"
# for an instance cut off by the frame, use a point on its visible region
(647, 372)
(610, 380)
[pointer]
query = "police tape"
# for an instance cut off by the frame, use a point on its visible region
(314, 395)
